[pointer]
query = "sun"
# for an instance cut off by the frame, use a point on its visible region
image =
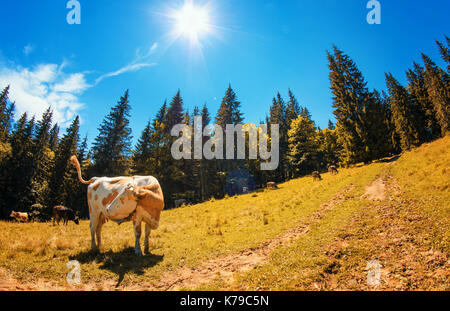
(192, 21)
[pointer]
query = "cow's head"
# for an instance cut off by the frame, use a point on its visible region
(76, 220)
(13, 214)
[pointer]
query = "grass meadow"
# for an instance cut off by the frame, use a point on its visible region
(407, 231)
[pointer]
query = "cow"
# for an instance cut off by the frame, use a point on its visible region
(333, 170)
(316, 175)
(64, 213)
(120, 199)
(20, 217)
(180, 202)
(272, 185)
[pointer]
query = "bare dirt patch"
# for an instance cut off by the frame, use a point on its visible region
(7, 283)
(376, 191)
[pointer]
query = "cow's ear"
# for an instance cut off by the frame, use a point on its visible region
(139, 193)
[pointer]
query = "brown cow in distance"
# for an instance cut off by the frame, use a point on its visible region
(316, 175)
(64, 213)
(272, 185)
(333, 170)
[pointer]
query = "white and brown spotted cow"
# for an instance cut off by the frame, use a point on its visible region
(20, 217)
(137, 199)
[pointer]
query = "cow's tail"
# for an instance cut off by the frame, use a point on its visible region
(75, 162)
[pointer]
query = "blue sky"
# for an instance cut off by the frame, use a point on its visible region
(258, 46)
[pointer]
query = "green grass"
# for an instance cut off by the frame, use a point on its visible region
(332, 255)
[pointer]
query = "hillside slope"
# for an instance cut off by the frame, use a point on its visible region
(306, 235)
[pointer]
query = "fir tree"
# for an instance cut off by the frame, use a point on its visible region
(54, 139)
(6, 114)
(112, 146)
(143, 151)
(42, 159)
(161, 115)
(230, 110)
(292, 109)
(404, 114)
(278, 115)
(175, 112)
(229, 113)
(438, 86)
(74, 193)
(445, 52)
(66, 148)
(16, 192)
(354, 106)
(331, 125)
(418, 90)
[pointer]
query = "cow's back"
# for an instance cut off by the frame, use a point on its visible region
(104, 190)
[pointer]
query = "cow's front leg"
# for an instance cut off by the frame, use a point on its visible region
(148, 229)
(137, 234)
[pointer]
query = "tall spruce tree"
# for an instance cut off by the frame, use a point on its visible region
(278, 115)
(143, 151)
(54, 138)
(445, 52)
(169, 170)
(66, 148)
(112, 147)
(16, 192)
(292, 109)
(418, 89)
(405, 114)
(207, 168)
(6, 114)
(175, 112)
(437, 82)
(353, 106)
(74, 194)
(42, 160)
(229, 113)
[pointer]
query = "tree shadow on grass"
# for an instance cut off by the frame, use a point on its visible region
(120, 263)
(390, 159)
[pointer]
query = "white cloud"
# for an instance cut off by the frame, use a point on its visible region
(34, 90)
(28, 49)
(75, 83)
(129, 68)
(141, 61)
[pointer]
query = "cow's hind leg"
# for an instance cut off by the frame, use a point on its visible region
(137, 225)
(148, 229)
(98, 230)
(93, 226)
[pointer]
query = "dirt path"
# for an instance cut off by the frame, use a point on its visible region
(397, 238)
(376, 191)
